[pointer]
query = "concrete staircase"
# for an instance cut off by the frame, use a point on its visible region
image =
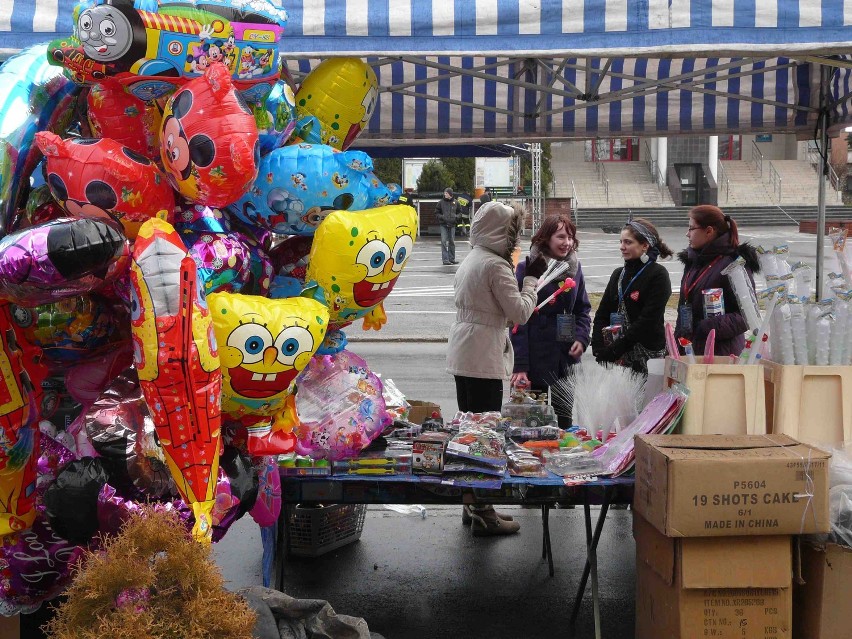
(630, 184)
(798, 185)
(614, 218)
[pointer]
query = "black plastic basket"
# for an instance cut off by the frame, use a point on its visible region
(315, 530)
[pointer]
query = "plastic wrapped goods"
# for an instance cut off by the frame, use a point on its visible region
(798, 322)
(744, 292)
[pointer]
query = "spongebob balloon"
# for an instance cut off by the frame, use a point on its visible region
(335, 101)
(264, 344)
(357, 256)
(177, 360)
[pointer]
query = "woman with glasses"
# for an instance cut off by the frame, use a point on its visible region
(713, 244)
(555, 337)
(629, 327)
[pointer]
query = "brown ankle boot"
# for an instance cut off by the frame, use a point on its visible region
(466, 518)
(486, 523)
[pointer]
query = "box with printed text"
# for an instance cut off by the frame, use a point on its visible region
(720, 485)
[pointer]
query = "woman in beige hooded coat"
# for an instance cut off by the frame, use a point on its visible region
(488, 302)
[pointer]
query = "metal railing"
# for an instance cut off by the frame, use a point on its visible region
(775, 181)
(836, 182)
(575, 204)
(724, 179)
(600, 169)
(757, 157)
(650, 162)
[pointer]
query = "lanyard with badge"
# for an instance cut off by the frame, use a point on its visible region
(684, 311)
(618, 318)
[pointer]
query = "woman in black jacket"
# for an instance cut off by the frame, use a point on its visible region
(713, 244)
(635, 299)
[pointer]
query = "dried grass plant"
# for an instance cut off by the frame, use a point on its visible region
(151, 581)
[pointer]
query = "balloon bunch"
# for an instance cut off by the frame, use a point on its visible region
(154, 324)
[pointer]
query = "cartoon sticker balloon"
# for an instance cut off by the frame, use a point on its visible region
(263, 345)
(299, 185)
(208, 140)
(357, 258)
(153, 48)
(101, 179)
(335, 101)
(178, 365)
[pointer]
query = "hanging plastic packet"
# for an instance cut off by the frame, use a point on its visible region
(714, 302)
(838, 332)
(744, 292)
(804, 275)
(814, 311)
(756, 347)
(800, 330)
(782, 252)
(834, 282)
(847, 336)
(768, 263)
(838, 243)
(781, 335)
(823, 338)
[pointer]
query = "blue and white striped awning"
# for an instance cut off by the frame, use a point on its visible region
(503, 70)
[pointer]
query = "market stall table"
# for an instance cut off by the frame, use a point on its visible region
(422, 489)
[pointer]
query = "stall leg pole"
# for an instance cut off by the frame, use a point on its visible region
(546, 549)
(591, 566)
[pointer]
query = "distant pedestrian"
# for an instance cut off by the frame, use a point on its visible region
(713, 244)
(635, 299)
(447, 212)
(487, 302)
(485, 198)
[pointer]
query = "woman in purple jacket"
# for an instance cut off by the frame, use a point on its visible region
(713, 244)
(555, 337)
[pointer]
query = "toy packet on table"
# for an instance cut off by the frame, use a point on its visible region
(427, 453)
(477, 443)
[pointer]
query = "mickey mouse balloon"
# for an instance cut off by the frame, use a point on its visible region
(208, 140)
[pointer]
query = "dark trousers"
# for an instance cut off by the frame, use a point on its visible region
(477, 395)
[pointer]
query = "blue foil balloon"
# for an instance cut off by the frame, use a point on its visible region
(298, 185)
(276, 118)
(34, 96)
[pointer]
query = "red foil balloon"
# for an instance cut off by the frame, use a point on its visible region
(209, 141)
(120, 116)
(94, 178)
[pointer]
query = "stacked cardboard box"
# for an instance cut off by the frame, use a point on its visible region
(713, 526)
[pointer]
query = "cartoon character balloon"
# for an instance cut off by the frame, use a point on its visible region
(101, 179)
(299, 185)
(153, 48)
(62, 258)
(335, 101)
(264, 344)
(357, 258)
(178, 364)
(208, 140)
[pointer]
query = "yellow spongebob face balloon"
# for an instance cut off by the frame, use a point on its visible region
(341, 93)
(357, 256)
(263, 345)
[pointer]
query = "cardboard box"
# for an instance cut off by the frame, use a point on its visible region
(811, 403)
(822, 602)
(421, 411)
(427, 453)
(712, 587)
(742, 410)
(719, 485)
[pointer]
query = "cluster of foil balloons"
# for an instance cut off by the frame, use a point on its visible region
(183, 235)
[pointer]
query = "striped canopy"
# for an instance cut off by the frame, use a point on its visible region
(500, 70)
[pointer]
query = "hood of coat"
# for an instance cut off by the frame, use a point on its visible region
(720, 246)
(497, 227)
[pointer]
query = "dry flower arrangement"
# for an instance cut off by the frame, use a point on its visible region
(151, 581)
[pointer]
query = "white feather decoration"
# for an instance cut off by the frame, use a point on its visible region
(600, 395)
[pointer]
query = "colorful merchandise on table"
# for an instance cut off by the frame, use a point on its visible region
(152, 49)
(523, 413)
(295, 465)
(428, 452)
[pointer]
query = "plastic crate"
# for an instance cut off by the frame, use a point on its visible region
(315, 530)
(724, 398)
